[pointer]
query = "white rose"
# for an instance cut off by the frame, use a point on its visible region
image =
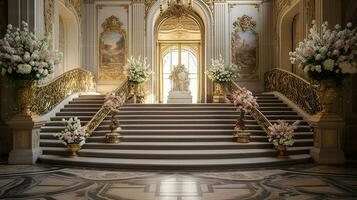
(347, 68)
(329, 64)
(318, 57)
(318, 68)
(337, 26)
(349, 24)
(3, 71)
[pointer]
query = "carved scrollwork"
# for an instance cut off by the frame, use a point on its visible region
(48, 12)
(297, 89)
(51, 94)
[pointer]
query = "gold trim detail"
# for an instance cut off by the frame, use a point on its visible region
(48, 13)
(102, 113)
(297, 89)
(51, 94)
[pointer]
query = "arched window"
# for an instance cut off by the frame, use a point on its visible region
(174, 57)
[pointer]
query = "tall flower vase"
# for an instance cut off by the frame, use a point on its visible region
(241, 135)
(73, 149)
(137, 91)
(327, 94)
(25, 95)
(281, 151)
(218, 93)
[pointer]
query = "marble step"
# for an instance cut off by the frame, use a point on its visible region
(176, 164)
(58, 122)
(177, 145)
(176, 154)
(155, 127)
(174, 134)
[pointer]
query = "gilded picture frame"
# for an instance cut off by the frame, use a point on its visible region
(245, 47)
(113, 50)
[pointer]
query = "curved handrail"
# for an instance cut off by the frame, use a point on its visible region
(49, 95)
(103, 112)
(255, 112)
(295, 88)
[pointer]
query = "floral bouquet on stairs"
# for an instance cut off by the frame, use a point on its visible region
(245, 101)
(74, 135)
(281, 135)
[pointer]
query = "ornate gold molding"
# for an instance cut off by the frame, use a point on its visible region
(48, 14)
(51, 94)
(244, 23)
(256, 5)
(297, 89)
(76, 5)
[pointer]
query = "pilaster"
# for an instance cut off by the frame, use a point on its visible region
(221, 30)
(138, 28)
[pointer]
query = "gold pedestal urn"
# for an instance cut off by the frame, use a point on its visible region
(281, 151)
(218, 93)
(114, 136)
(73, 149)
(241, 135)
(25, 95)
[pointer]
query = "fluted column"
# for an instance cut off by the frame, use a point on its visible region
(221, 33)
(138, 28)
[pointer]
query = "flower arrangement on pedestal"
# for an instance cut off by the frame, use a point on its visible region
(221, 74)
(112, 103)
(137, 71)
(281, 135)
(327, 58)
(26, 59)
(245, 101)
(74, 135)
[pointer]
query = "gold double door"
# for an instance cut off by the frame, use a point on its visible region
(170, 55)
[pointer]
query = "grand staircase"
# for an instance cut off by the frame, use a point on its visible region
(175, 136)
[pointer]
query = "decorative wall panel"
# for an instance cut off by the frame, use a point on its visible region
(113, 40)
(244, 23)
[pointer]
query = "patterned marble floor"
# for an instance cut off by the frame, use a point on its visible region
(306, 182)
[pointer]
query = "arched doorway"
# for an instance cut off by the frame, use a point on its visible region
(202, 15)
(179, 42)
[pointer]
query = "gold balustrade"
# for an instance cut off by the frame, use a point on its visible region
(255, 112)
(103, 112)
(49, 95)
(295, 88)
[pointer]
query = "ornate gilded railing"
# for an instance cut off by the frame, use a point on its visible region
(256, 114)
(295, 88)
(122, 91)
(49, 95)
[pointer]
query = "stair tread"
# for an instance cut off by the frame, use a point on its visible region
(176, 162)
(175, 152)
(175, 143)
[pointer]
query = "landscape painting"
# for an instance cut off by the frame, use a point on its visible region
(245, 48)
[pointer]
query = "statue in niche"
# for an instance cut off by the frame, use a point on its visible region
(180, 79)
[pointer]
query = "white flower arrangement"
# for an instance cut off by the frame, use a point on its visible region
(282, 133)
(73, 133)
(113, 102)
(24, 56)
(137, 70)
(244, 100)
(221, 73)
(329, 55)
